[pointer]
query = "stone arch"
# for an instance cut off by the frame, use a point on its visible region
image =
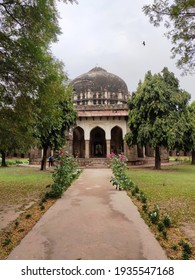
(117, 143)
(97, 144)
(78, 142)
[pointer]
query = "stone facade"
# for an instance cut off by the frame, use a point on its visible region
(101, 101)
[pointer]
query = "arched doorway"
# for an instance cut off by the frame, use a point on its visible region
(78, 142)
(97, 142)
(117, 144)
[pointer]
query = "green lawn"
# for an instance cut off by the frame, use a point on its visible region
(172, 188)
(22, 184)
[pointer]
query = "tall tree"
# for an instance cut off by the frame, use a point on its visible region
(189, 136)
(157, 113)
(178, 16)
(27, 29)
(15, 132)
(54, 108)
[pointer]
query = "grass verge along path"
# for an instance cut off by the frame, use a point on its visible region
(173, 190)
(21, 205)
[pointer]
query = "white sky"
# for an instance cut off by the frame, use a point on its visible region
(109, 34)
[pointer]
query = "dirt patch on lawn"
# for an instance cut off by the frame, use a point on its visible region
(189, 231)
(18, 222)
(9, 213)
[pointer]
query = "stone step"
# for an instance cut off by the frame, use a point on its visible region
(93, 162)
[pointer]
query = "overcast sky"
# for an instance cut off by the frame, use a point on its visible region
(109, 34)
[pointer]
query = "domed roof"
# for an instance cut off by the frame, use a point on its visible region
(99, 80)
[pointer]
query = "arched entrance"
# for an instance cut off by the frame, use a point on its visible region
(117, 144)
(97, 142)
(78, 142)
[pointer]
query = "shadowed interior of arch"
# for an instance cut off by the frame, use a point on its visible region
(97, 143)
(117, 143)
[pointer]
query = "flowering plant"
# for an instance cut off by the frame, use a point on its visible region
(66, 170)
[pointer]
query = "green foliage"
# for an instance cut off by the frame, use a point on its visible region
(157, 113)
(154, 215)
(185, 256)
(28, 71)
(161, 226)
(42, 207)
(28, 216)
(121, 180)
(145, 208)
(189, 135)
(6, 242)
(15, 161)
(16, 224)
(164, 233)
(143, 198)
(167, 220)
(66, 171)
(178, 17)
(55, 113)
(174, 247)
(187, 248)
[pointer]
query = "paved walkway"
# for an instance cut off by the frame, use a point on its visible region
(91, 221)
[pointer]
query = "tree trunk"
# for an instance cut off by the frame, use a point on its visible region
(44, 158)
(3, 163)
(157, 158)
(193, 157)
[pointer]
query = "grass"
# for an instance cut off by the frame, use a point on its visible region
(15, 161)
(180, 158)
(22, 184)
(21, 187)
(172, 188)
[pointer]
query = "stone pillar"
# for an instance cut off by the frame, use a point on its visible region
(86, 148)
(131, 153)
(108, 147)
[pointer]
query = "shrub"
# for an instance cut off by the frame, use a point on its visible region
(16, 223)
(167, 220)
(6, 242)
(161, 226)
(136, 189)
(42, 207)
(164, 233)
(185, 256)
(145, 208)
(174, 247)
(154, 215)
(133, 192)
(28, 216)
(187, 248)
(143, 197)
(66, 170)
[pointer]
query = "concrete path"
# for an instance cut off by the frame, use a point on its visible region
(91, 221)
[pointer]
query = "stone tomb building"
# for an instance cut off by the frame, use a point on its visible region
(101, 102)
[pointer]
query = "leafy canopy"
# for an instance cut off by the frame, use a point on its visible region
(54, 108)
(179, 19)
(189, 136)
(157, 112)
(27, 29)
